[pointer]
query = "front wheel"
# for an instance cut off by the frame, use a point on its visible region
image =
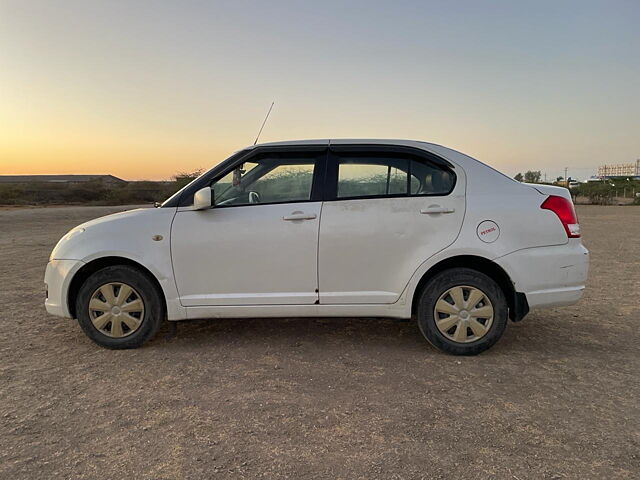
(462, 311)
(119, 307)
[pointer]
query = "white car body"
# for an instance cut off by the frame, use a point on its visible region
(356, 257)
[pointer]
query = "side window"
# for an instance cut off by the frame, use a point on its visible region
(427, 179)
(223, 189)
(366, 177)
(381, 175)
(269, 179)
(285, 183)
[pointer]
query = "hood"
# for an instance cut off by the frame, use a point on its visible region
(121, 231)
(114, 217)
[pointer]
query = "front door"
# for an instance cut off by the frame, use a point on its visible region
(258, 244)
(387, 212)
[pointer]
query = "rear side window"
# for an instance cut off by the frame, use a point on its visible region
(427, 179)
(364, 177)
(384, 175)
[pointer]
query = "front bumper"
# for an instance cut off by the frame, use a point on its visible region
(550, 276)
(57, 279)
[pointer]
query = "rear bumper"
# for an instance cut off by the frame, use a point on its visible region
(57, 279)
(549, 276)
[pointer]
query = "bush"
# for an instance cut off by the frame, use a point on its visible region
(604, 193)
(90, 193)
(598, 193)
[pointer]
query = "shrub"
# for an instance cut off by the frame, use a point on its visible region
(91, 193)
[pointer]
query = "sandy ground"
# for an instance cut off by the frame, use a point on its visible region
(557, 397)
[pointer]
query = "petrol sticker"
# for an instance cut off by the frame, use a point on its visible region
(488, 231)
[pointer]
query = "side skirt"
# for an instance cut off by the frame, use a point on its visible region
(271, 311)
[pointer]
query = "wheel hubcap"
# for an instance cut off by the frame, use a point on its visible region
(116, 309)
(463, 314)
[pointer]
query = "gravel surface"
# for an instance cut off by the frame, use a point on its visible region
(556, 398)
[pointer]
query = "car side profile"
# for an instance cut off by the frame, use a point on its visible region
(326, 228)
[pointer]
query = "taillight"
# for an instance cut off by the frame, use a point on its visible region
(563, 208)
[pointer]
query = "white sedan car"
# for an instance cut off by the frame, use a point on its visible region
(340, 228)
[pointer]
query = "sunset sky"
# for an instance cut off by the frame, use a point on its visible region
(143, 89)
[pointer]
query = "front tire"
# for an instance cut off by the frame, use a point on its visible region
(462, 311)
(119, 307)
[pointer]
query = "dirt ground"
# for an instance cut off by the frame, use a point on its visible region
(558, 397)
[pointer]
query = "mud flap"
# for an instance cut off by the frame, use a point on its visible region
(520, 307)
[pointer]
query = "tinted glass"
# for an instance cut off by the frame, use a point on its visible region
(360, 176)
(266, 180)
(365, 177)
(427, 179)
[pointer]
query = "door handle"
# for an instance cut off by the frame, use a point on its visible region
(299, 216)
(437, 209)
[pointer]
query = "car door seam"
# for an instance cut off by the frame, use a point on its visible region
(318, 255)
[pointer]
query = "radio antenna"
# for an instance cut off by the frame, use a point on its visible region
(265, 121)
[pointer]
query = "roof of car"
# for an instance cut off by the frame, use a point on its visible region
(342, 141)
(448, 154)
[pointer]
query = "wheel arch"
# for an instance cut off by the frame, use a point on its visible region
(516, 301)
(99, 263)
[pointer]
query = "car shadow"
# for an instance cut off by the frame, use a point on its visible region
(543, 334)
(371, 332)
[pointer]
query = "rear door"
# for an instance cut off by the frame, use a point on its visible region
(386, 211)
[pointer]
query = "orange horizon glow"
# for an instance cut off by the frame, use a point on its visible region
(143, 92)
(130, 165)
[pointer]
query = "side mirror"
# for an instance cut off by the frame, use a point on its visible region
(202, 199)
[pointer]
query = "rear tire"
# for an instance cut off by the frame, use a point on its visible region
(120, 307)
(462, 311)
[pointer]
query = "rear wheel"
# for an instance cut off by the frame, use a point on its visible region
(119, 307)
(462, 311)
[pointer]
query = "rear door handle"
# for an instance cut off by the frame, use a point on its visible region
(299, 216)
(437, 209)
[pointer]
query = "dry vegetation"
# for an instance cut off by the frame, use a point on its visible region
(89, 193)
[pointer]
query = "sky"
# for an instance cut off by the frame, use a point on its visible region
(144, 89)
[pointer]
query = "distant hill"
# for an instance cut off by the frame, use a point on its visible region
(80, 190)
(105, 179)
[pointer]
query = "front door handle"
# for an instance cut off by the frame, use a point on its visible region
(299, 216)
(437, 209)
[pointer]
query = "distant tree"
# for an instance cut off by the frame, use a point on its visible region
(518, 177)
(183, 178)
(193, 174)
(559, 179)
(532, 177)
